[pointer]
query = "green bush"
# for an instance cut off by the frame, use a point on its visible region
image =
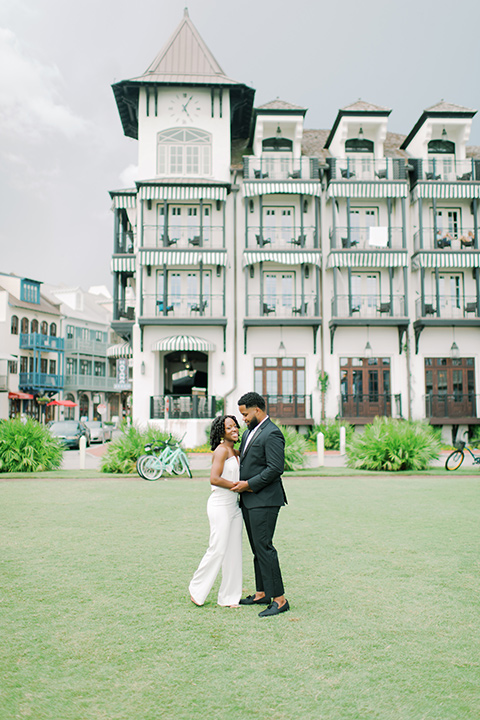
(331, 432)
(124, 451)
(28, 447)
(392, 445)
(295, 448)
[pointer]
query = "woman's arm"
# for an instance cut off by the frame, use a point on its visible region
(219, 456)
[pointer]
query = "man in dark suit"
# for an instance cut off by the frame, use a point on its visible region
(262, 459)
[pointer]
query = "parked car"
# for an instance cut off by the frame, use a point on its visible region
(98, 431)
(70, 432)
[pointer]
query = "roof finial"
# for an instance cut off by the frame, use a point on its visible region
(185, 12)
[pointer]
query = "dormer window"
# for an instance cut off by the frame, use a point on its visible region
(30, 291)
(359, 145)
(277, 144)
(184, 151)
(441, 147)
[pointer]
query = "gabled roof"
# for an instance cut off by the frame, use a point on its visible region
(184, 60)
(278, 105)
(440, 109)
(360, 108)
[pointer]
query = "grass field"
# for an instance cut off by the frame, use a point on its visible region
(382, 575)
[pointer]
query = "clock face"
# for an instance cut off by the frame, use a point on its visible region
(184, 107)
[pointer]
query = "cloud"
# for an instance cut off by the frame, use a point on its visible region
(30, 103)
(129, 175)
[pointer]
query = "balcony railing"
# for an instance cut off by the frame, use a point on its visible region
(123, 312)
(446, 169)
(448, 307)
(124, 242)
(88, 347)
(438, 239)
(280, 168)
(37, 380)
(276, 238)
(451, 406)
(37, 341)
(366, 238)
(89, 382)
(368, 306)
(370, 405)
(3, 383)
(183, 406)
(281, 306)
(289, 406)
(184, 237)
(184, 306)
(367, 168)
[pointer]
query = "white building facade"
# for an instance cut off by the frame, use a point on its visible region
(335, 272)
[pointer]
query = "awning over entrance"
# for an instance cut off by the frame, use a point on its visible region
(19, 396)
(123, 264)
(183, 342)
(122, 350)
(182, 257)
(283, 258)
(279, 188)
(446, 191)
(459, 259)
(183, 192)
(367, 259)
(380, 189)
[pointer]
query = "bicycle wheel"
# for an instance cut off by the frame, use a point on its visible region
(454, 460)
(139, 464)
(151, 468)
(185, 466)
(177, 465)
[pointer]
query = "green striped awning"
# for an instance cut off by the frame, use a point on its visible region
(124, 199)
(182, 257)
(436, 259)
(183, 192)
(283, 258)
(446, 191)
(367, 259)
(183, 342)
(122, 350)
(252, 188)
(123, 264)
(373, 189)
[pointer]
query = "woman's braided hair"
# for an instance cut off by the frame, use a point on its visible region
(217, 430)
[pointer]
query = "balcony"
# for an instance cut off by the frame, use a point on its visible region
(89, 382)
(184, 306)
(274, 238)
(280, 168)
(40, 381)
(446, 169)
(281, 306)
(3, 383)
(123, 313)
(184, 237)
(191, 407)
(37, 341)
(448, 307)
(124, 242)
(368, 307)
(451, 409)
(437, 239)
(362, 408)
(367, 168)
(367, 238)
(87, 347)
(290, 409)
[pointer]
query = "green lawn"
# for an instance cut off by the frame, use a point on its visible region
(382, 575)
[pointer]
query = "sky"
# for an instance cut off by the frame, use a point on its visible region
(62, 146)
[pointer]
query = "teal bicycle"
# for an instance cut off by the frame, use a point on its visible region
(168, 457)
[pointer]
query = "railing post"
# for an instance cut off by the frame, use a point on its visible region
(343, 436)
(321, 449)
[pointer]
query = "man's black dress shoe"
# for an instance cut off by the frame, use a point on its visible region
(273, 609)
(250, 600)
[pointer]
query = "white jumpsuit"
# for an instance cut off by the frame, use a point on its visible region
(225, 546)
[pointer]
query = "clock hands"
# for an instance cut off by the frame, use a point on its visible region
(185, 106)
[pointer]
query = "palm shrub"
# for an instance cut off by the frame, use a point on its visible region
(295, 448)
(28, 447)
(331, 433)
(393, 445)
(124, 451)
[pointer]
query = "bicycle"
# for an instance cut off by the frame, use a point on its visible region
(455, 459)
(172, 459)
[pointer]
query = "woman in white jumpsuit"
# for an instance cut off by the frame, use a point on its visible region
(225, 546)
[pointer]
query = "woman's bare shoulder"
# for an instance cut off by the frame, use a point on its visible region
(220, 452)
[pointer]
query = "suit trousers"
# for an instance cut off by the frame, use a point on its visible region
(224, 551)
(260, 525)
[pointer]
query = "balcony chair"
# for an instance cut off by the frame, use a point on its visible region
(160, 307)
(300, 241)
(295, 175)
(471, 307)
(384, 307)
(465, 176)
(267, 309)
(381, 174)
(196, 240)
(346, 173)
(432, 176)
(445, 241)
(199, 307)
(346, 243)
(467, 240)
(429, 309)
(168, 241)
(259, 174)
(261, 241)
(302, 310)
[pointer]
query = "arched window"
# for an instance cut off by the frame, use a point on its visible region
(277, 144)
(34, 326)
(14, 325)
(53, 330)
(359, 145)
(44, 328)
(184, 151)
(441, 147)
(24, 325)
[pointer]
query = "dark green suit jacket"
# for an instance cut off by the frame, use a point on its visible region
(262, 465)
